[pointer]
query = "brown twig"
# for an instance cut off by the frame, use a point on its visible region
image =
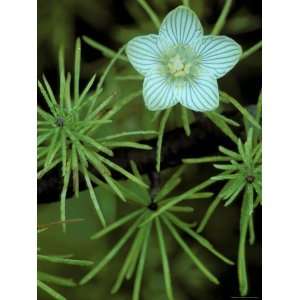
(204, 140)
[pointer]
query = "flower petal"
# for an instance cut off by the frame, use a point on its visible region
(219, 54)
(158, 91)
(181, 26)
(143, 53)
(199, 94)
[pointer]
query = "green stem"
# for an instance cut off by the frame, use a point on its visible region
(186, 2)
(150, 12)
(222, 18)
(160, 137)
(251, 50)
(246, 210)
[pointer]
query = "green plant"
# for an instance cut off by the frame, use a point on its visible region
(77, 133)
(69, 134)
(153, 212)
(44, 278)
(241, 170)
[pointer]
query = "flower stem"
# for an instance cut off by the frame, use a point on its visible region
(153, 16)
(186, 2)
(222, 18)
(160, 137)
(251, 50)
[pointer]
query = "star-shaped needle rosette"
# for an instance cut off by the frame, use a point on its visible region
(181, 64)
(156, 217)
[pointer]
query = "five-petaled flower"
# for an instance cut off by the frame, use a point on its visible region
(180, 64)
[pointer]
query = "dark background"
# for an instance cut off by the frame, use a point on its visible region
(113, 23)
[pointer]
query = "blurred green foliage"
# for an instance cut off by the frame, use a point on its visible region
(113, 23)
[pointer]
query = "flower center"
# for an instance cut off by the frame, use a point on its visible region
(180, 63)
(178, 67)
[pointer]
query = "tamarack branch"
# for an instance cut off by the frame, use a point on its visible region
(204, 140)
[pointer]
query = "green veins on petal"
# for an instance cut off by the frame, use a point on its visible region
(180, 64)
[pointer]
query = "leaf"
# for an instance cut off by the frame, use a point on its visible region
(43, 137)
(135, 170)
(114, 187)
(75, 170)
(79, 148)
(242, 151)
(226, 119)
(103, 49)
(85, 91)
(188, 251)
(94, 158)
(240, 108)
(91, 115)
(201, 240)
(93, 197)
(231, 187)
(164, 258)
(68, 101)
(129, 77)
(135, 254)
(129, 261)
(130, 133)
(46, 116)
(52, 148)
(235, 193)
(207, 159)
(248, 145)
(63, 195)
(182, 209)
(49, 102)
(222, 125)
(141, 264)
(63, 152)
(122, 144)
(134, 193)
(110, 65)
(77, 69)
(175, 200)
(50, 291)
(170, 185)
(90, 141)
(63, 260)
(123, 171)
(224, 176)
(199, 196)
(116, 224)
(55, 279)
(212, 207)
(110, 255)
(230, 153)
(91, 100)
(62, 79)
(228, 167)
(47, 169)
(185, 120)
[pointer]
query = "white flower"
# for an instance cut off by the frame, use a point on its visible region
(180, 64)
